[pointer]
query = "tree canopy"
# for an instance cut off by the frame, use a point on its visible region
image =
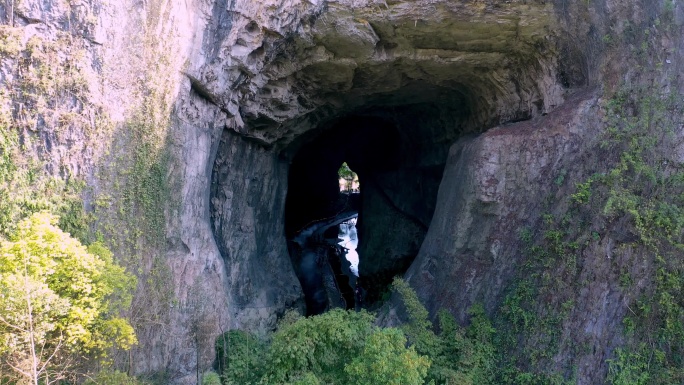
(337, 347)
(59, 302)
(348, 348)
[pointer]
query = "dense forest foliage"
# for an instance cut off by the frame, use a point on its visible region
(346, 347)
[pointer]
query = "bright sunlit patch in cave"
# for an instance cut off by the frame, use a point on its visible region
(350, 241)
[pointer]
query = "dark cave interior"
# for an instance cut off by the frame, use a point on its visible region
(398, 148)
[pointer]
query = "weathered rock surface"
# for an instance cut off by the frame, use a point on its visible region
(491, 190)
(347, 55)
(248, 222)
(240, 88)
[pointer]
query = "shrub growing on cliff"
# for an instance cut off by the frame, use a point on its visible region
(645, 187)
(634, 204)
(58, 302)
(459, 355)
(211, 378)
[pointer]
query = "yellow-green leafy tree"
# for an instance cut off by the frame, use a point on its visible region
(59, 303)
(385, 359)
(338, 347)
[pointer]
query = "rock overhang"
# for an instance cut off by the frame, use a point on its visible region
(432, 70)
(349, 56)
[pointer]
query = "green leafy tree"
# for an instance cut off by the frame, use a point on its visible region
(318, 347)
(59, 302)
(211, 378)
(342, 347)
(386, 360)
(459, 355)
(331, 348)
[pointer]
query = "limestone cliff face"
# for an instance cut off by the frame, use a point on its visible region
(88, 93)
(185, 118)
(434, 70)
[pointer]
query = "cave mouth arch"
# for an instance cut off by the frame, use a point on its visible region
(398, 148)
(316, 206)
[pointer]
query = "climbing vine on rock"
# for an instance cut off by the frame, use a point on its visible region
(634, 208)
(647, 188)
(61, 151)
(43, 102)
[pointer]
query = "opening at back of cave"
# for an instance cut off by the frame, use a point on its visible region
(387, 200)
(324, 249)
(348, 236)
(323, 207)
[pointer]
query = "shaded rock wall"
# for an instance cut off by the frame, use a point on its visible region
(493, 186)
(248, 223)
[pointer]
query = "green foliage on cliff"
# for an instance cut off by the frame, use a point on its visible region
(342, 347)
(211, 378)
(632, 209)
(459, 355)
(338, 347)
(54, 134)
(59, 302)
(386, 360)
(41, 104)
(630, 368)
(61, 151)
(646, 187)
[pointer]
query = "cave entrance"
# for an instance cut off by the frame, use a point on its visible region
(390, 204)
(323, 207)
